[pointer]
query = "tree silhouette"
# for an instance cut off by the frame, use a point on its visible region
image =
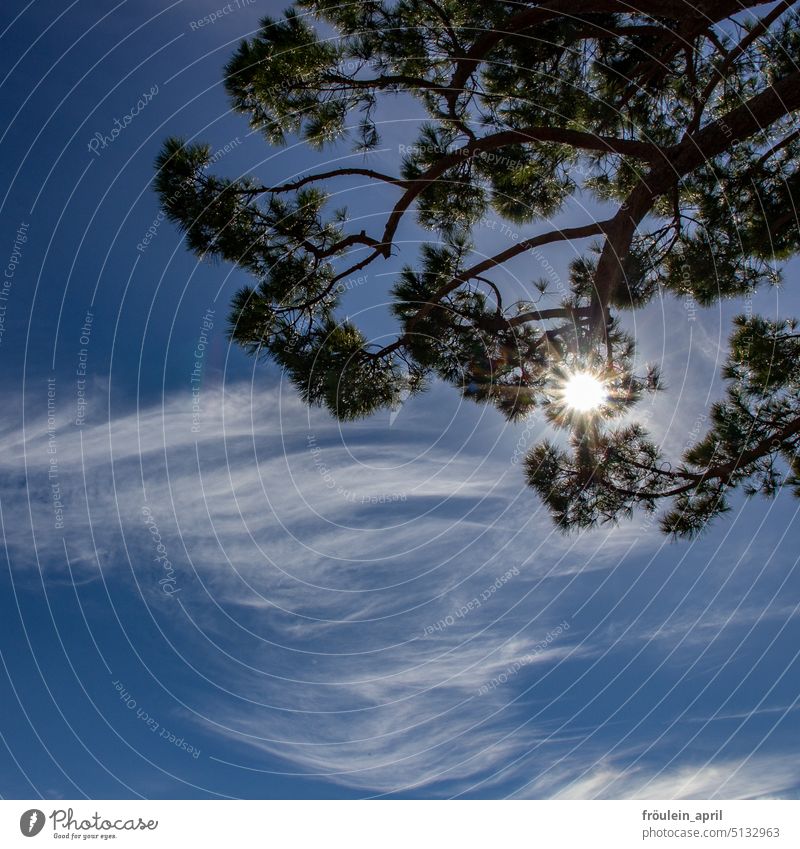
(678, 117)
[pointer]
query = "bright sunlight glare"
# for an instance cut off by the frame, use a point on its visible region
(584, 392)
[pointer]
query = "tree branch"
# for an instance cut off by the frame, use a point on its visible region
(720, 72)
(755, 114)
(571, 9)
(769, 445)
(325, 175)
(526, 135)
(479, 268)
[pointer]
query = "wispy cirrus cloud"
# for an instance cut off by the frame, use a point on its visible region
(759, 777)
(383, 611)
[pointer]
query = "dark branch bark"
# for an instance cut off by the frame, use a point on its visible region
(721, 71)
(526, 20)
(573, 138)
(769, 445)
(547, 315)
(715, 138)
(325, 175)
(485, 265)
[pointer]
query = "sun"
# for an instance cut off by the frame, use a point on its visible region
(584, 392)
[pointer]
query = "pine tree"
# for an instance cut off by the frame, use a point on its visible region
(679, 118)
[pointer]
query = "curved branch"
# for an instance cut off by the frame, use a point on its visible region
(546, 315)
(325, 175)
(720, 71)
(757, 113)
(497, 296)
(573, 138)
(571, 9)
(471, 273)
(769, 445)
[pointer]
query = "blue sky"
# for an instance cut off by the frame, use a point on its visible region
(379, 608)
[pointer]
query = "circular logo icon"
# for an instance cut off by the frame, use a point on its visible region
(31, 822)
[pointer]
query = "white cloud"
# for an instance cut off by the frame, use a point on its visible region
(305, 600)
(760, 776)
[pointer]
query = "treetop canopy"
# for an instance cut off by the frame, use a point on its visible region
(679, 118)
